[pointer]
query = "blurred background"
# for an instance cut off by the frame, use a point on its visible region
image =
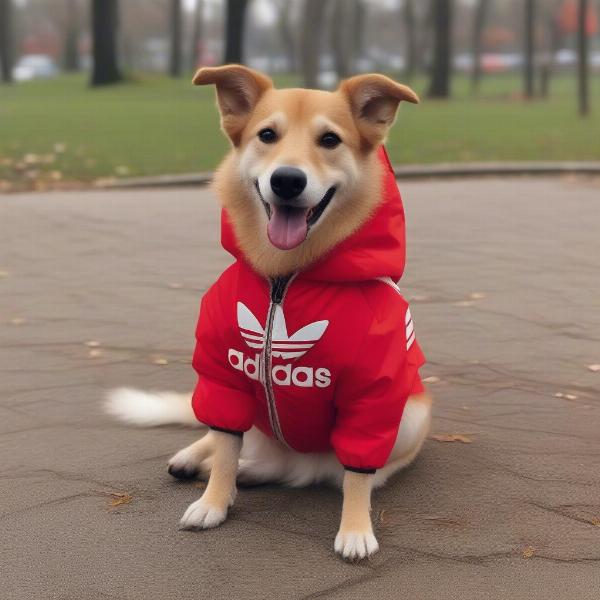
(100, 89)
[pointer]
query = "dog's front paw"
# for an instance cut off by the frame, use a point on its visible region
(354, 545)
(202, 515)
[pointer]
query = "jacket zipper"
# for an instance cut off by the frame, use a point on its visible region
(278, 287)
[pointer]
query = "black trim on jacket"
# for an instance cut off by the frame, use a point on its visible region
(358, 470)
(229, 431)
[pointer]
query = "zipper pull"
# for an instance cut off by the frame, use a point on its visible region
(278, 286)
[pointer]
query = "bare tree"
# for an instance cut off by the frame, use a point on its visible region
(6, 46)
(359, 29)
(71, 36)
(410, 28)
(529, 49)
(287, 33)
(439, 86)
(551, 42)
(175, 55)
(346, 34)
(105, 20)
(197, 32)
(583, 91)
(234, 30)
(481, 14)
(312, 34)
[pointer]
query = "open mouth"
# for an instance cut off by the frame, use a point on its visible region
(289, 225)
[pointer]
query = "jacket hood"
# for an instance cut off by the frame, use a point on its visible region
(376, 249)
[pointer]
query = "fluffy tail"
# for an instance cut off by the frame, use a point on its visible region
(150, 409)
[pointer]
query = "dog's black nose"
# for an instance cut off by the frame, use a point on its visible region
(288, 182)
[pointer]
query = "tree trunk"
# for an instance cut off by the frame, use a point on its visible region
(105, 21)
(175, 63)
(582, 60)
(529, 45)
(287, 34)
(312, 33)
(358, 30)
(234, 31)
(71, 47)
(410, 28)
(6, 48)
(346, 34)
(196, 35)
(552, 44)
(478, 27)
(439, 86)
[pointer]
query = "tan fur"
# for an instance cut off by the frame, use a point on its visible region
(357, 502)
(211, 509)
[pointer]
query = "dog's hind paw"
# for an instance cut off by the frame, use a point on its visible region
(355, 545)
(182, 472)
(201, 515)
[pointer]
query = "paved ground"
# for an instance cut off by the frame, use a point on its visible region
(505, 285)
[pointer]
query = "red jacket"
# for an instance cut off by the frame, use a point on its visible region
(324, 360)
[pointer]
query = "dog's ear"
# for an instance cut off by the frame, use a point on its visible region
(238, 91)
(374, 101)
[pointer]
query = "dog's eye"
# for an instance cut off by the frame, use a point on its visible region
(267, 136)
(330, 140)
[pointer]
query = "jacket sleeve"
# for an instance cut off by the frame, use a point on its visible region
(372, 393)
(222, 399)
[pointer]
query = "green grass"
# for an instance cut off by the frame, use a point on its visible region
(63, 130)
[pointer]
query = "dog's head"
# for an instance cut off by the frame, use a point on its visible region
(302, 174)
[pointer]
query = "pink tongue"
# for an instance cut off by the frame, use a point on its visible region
(287, 228)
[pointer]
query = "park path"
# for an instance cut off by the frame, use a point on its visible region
(99, 289)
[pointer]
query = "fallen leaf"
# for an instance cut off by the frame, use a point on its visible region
(595, 521)
(432, 379)
(566, 396)
(594, 368)
(452, 437)
(476, 296)
(160, 361)
(464, 303)
(30, 159)
(175, 285)
(95, 353)
(17, 321)
(92, 344)
(528, 552)
(119, 498)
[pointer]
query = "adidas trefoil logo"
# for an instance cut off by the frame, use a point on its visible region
(282, 345)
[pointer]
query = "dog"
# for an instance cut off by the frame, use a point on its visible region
(306, 352)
